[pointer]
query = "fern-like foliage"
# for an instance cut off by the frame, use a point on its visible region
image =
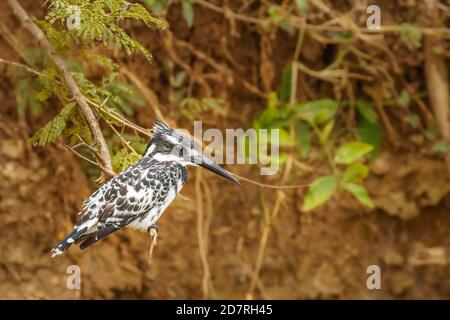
(123, 159)
(99, 21)
(54, 128)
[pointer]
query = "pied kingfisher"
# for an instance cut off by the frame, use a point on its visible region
(138, 196)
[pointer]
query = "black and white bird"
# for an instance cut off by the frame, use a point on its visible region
(138, 196)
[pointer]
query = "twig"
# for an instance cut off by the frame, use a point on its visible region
(437, 76)
(417, 99)
(20, 65)
(392, 133)
(118, 117)
(110, 173)
(153, 242)
(125, 143)
(149, 95)
(271, 186)
(85, 144)
(270, 218)
(33, 29)
(12, 41)
(263, 243)
(79, 155)
(201, 236)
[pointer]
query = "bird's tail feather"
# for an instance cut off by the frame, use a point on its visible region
(61, 247)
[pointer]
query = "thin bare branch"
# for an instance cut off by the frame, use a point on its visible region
(149, 95)
(20, 65)
(271, 186)
(125, 143)
(111, 173)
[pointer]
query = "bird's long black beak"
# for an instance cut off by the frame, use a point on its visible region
(212, 166)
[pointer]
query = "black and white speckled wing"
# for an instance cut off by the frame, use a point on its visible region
(136, 197)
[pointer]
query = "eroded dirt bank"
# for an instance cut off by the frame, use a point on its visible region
(316, 255)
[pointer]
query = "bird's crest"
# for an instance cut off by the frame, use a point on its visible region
(161, 138)
(160, 128)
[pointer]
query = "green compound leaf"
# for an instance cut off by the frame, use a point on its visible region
(54, 128)
(123, 159)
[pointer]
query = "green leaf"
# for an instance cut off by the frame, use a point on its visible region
(355, 172)
(319, 192)
(123, 159)
(360, 193)
(272, 100)
(304, 138)
(318, 111)
(326, 131)
(43, 95)
(346, 36)
(441, 146)
(54, 128)
(367, 110)
(285, 138)
(351, 152)
(302, 6)
(432, 131)
(271, 117)
(286, 25)
(405, 99)
(179, 80)
(25, 94)
(413, 120)
(370, 133)
(411, 34)
(157, 6)
(285, 87)
(188, 12)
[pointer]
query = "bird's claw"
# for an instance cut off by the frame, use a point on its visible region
(153, 230)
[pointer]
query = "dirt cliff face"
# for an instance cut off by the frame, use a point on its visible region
(322, 254)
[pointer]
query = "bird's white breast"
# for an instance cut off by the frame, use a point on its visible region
(154, 214)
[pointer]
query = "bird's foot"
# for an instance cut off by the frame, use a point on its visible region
(153, 232)
(152, 229)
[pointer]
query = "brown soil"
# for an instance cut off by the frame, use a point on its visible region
(323, 254)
